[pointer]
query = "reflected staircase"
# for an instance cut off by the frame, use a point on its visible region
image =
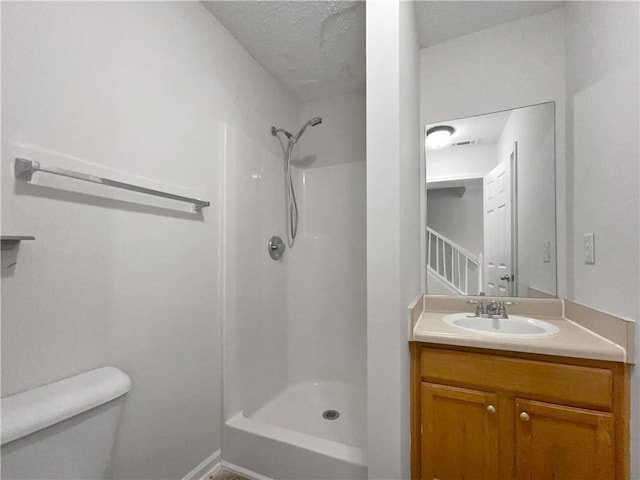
(456, 268)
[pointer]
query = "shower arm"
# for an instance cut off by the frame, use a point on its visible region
(275, 132)
(297, 137)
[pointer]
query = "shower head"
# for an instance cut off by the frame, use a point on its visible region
(292, 140)
(290, 195)
(313, 122)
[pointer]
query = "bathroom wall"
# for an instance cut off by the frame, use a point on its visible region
(410, 186)
(326, 268)
(115, 278)
(340, 138)
(602, 152)
(533, 130)
(393, 228)
(602, 165)
(512, 65)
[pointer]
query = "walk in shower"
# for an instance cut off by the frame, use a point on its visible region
(295, 327)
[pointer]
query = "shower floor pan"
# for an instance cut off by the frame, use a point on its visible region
(288, 437)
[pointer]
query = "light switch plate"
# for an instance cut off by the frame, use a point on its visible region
(589, 249)
(546, 251)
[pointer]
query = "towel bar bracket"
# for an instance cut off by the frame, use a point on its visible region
(24, 169)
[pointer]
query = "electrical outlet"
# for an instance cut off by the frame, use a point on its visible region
(589, 249)
(546, 251)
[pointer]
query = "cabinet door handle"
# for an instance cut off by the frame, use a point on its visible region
(524, 416)
(491, 409)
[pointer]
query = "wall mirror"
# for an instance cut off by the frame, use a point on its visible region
(491, 206)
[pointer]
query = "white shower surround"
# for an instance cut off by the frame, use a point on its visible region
(294, 329)
(326, 285)
(299, 407)
(288, 438)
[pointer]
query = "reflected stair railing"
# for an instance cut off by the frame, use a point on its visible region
(452, 264)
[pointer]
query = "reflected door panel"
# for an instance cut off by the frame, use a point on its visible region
(497, 230)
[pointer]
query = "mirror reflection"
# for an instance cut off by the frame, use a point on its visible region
(490, 211)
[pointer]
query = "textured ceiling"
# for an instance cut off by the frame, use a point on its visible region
(439, 21)
(316, 49)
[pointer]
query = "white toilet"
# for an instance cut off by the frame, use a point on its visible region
(64, 430)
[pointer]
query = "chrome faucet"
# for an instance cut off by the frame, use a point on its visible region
(493, 308)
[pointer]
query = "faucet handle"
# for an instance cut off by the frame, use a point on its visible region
(502, 308)
(480, 307)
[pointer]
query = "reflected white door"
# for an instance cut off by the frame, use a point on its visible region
(499, 229)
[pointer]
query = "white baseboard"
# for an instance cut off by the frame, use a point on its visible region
(217, 468)
(243, 471)
(213, 464)
(210, 465)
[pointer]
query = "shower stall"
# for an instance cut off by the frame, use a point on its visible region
(295, 327)
(293, 248)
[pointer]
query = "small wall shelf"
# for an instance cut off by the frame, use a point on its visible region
(16, 238)
(10, 247)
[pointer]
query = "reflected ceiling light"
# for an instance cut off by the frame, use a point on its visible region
(439, 136)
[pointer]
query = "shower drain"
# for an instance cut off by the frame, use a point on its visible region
(330, 414)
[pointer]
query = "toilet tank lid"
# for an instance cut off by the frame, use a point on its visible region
(41, 407)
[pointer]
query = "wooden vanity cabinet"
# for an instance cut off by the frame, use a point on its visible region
(462, 437)
(495, 415)
(555, 441)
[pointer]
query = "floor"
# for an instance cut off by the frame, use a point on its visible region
(226, 475)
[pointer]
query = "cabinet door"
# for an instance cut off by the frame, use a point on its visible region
(459, 433)
(563, 443)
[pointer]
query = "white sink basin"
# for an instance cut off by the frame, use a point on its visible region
(514, 326)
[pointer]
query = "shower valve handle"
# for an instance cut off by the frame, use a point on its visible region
(276, 247)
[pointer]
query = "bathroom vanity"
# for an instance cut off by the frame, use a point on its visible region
(489, 406)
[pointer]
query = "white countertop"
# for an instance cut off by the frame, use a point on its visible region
(572, 340)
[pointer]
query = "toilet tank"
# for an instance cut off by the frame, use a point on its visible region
(64, 430)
